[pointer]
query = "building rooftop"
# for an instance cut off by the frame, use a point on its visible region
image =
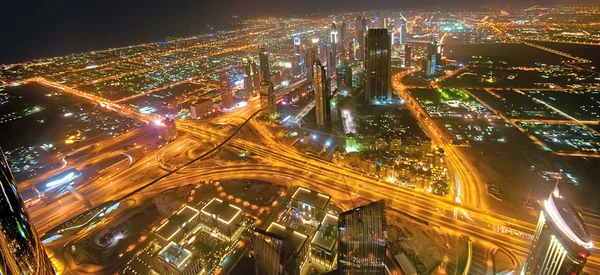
(297, 239)
(222, 211)
(168, 229)
(567, 220)
(326, 236)
(313, 198)
(175, 254)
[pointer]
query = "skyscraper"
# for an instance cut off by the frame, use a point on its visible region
(265, 70)
(267, 98)
(248, 78)
(408, 55)
(310, 57)
(255, 76)
(21, 251)
(402, 33)
(321, 86)
(362, 240)
(431, 61)
(377, 66)
(343, 38)
(226, 92)
(561, 243)
(298, 56)
(344, 78)
(335, 41)
(361, 28)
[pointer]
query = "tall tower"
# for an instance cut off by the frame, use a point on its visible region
(298, 55)
(362, 240)
(267, 98)
(309, 59)
(431, 58)
(21, 251)
(561, 243)
(321, 96)
(403, 33)
(255, 76)
(343, 40)
(335, 41)
(377, 67)
(265, 70)
(361, 28)
(248, 78)
(226, 92)
(408, 55)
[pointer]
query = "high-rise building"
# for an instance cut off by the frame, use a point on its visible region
(265, 70)
(248, 78)
(255, 76)
(226, 92)
(301, 67)
(167, 129)
(267, 98)
(408, 55)
(310, 57)
(361, 28)
(362, 240)
(321, 87)
(279, 250)
(343, 39)
(402, 34)
(344, 78)
(377, 67)
(561, 243)
(431, 61)
(334, 48)
(21, 251)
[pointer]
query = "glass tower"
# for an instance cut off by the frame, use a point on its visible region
(21, 252)
(377, 66)
(561, 243)
(362, 240)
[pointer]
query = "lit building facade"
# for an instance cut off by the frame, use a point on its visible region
(377, 67)
(344, 78)
(267, 98)
(321, 88)
(21, 251)
(362, 240)
(248, 78)
(255, 76)
(561, 243)
(226, 92)
(265, 69)
(167, 129)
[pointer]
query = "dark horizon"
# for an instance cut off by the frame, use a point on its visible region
(49, 29)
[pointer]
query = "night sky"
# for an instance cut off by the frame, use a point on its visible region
(42, 28)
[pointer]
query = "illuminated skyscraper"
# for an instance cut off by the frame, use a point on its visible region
(431, 62)
(255, 76)
(561, 243)
(361, 28)
(267, 98)
(321, 96)
(248, 78)
(298, 57)
(310, 57)
(377, 67)
(362, 240)
(21, 252)
(344, 78)
(408, 55)
(402, 33)
(335, 41)
(265, 70)
(226, 92)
